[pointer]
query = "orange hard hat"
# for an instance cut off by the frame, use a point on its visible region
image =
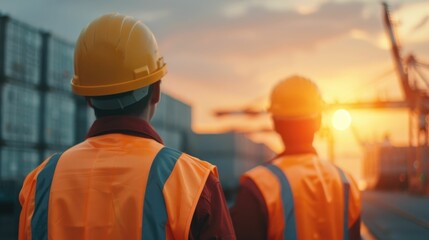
(116, 54)
(296, 97)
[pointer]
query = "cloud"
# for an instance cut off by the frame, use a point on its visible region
(261, 32)
(421, 24)
(217, 50)
(411, 22)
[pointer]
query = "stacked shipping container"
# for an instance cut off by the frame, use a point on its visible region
(172, 121)
(37, 107)
(385, 166)
(20, 74)
(232, 153)
(38, 111)
(390, 167)
(58, 103)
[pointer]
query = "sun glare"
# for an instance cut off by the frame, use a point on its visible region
(341, 119)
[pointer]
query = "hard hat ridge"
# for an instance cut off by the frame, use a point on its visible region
(116, 54)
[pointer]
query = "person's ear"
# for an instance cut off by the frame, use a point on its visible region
(156, 93)
(88, 101)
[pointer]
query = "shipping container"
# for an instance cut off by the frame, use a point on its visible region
(60, 119)
(17, 162)
(9, 209)
(47, 153)
(172, 139)
(180, 115)
(160, 117)
(21, 51)
(59, 63)
(9, 191)
(172, 114)
(228, 143)
(83, 118)
(232, 153)
(267, 153)
(386, 167)
(20, 113)
(228, 169)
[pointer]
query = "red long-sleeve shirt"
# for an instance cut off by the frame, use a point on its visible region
(211, 219)
(250, 214)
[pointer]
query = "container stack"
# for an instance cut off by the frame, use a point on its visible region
(20, 120)
(233, 154)
(386, 166)
(58, 103)
(172, 121)
(20, 79)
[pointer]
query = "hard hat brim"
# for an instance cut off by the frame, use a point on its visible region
(110, 89)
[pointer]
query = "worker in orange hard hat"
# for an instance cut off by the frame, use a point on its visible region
(297, 195)
(122, 182)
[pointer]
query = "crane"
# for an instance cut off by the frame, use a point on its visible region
(416, 100)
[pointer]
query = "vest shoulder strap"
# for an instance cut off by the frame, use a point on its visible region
(346, 190)
(154, 209)
(287, 202)
(39, 221)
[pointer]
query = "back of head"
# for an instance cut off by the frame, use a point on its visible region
(295, 106)
(116, 60)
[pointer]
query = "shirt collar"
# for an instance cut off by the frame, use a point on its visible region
(123, 124)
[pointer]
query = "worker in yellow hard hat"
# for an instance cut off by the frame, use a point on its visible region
(122, 182)
(297, 195)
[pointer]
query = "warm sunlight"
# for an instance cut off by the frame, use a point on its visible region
(341, 119)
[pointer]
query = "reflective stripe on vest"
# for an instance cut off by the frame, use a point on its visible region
(154, 211)
(287, 202)
(39, 221)
(346, 190)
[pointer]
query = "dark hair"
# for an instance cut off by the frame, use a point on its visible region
(135, 109)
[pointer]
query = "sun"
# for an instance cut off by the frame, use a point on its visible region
(341, 119)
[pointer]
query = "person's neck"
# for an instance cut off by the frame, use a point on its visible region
(147, 114)
(145, 117)
(298, 148)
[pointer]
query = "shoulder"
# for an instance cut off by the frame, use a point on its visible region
(33, 174)
(346, 176)
(260, 181)
(31, 179)
(354, 188)
(197, 164)
(254, 173)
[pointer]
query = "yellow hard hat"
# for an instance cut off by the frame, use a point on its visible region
(115, 54)
(296, 97)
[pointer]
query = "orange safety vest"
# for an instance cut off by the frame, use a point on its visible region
(113, 186)
(306, 198)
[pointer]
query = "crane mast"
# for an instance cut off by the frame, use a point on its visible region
(400, 69)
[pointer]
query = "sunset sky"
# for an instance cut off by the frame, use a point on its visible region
(225, 54)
